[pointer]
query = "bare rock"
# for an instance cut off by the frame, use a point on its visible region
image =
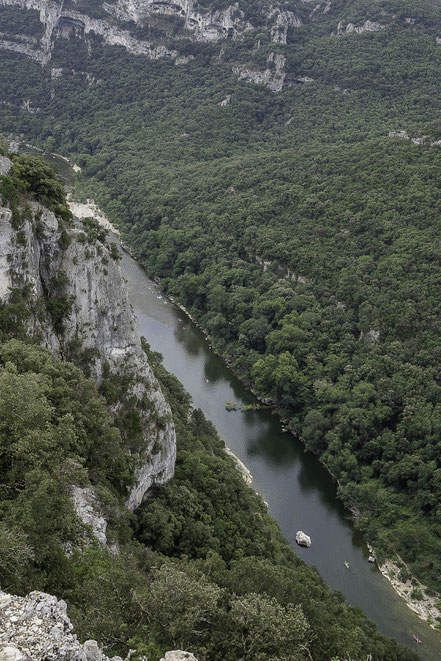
(303, 539)
(101, 321)
(178, 655)
(36, 628)
(5, 164)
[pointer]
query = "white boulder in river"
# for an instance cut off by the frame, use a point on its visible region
(303, 539)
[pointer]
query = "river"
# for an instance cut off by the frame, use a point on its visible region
(300, 493)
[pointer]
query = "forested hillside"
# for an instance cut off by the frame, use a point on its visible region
(202, 566)
(256, 178)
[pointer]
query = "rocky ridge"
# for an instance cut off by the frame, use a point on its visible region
(60, 21)
(100, 324)
(122, 23)
(37, 628)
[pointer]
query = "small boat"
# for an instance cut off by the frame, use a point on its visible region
(346, 564)
(417, 640)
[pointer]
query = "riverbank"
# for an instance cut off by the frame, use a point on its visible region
(90, 209)
(243, 470)
(413, 592)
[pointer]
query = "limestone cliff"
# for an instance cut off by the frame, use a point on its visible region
(173, 21)
(162, 29)
(81, 310)
(37, 628)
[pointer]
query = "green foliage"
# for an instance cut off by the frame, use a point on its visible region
(32, 175)
(55, 431)
(26, 22)
(219, 528)
(295, 231)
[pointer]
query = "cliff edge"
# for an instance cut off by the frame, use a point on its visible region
(81, 312)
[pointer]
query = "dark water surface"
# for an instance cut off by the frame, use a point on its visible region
(300, 494)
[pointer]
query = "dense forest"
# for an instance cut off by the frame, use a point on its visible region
(301, 236)
(200, 566)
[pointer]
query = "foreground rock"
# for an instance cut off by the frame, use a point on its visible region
(303, 539)
(178, 655)
(37, 628)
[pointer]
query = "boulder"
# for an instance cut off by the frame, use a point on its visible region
(179, 655)
(303, 539)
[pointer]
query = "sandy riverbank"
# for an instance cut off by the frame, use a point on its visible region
(90, 209)
(425, 608)
(245, 472)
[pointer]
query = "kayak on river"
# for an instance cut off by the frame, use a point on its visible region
(417, 640)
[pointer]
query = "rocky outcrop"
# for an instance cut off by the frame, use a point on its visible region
(59, 21)
(368, 26)
(5, 164)
(205, 26)
(209, 25)
(178, 655)
(416, 595)
(87, 508)
(370, 336)
(98, 322)
(303, 539)
(37, 628)
(283, 20)
(421, 140)
(32, 53)
(273, 77)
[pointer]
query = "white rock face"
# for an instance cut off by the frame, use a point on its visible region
(273, 77)
(178, 655)
(87, 508)
(283, 21)
(303, 539)
(368, 26)
(101, 320)
(52, 15)
(5, 164)
(205, 26)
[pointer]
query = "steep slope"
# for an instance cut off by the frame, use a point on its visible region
(81, 312)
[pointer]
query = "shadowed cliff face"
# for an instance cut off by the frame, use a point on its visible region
(81, 311)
